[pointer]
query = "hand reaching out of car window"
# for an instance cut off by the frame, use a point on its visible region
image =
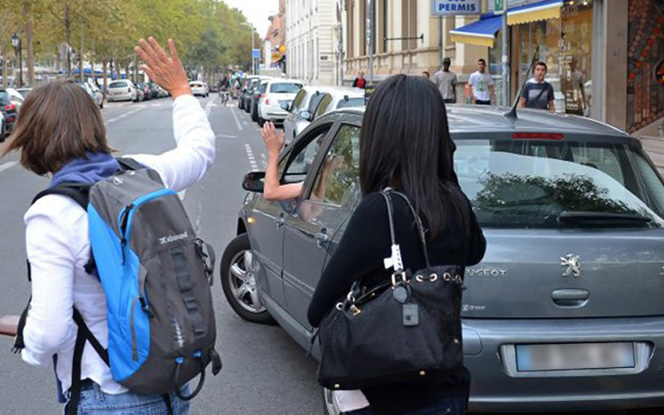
(273, 189)
(274, 140)
(164, 71)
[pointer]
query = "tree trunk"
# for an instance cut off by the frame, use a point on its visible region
(127, 70)
(4, 68)
(68, 39)
(81, 76)
(30, 59)
(105, 75)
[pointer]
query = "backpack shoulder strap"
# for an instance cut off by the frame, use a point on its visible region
(127, 163)
(78, 191)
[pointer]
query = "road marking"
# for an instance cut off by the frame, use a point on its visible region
(250, 156)
(226, 136)
(7, 165)
(245, 122)
(126, 114)
(237, 122)
(208, 108)
(264, 160)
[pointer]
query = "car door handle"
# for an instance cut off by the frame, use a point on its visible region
(570, 297)
(280, 221)
(322, 238)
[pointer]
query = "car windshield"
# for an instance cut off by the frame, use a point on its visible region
(118, 84)
(4, 97)
(285, 88)
(351, 103)
(553, 184)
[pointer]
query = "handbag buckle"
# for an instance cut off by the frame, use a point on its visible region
(355, 310)
(395, 275)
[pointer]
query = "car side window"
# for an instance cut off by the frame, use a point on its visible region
(324, 105)
(299, 163)
(315, 99)
(297, 102)
(338, 179)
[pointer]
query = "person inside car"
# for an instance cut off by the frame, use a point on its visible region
(405, 145)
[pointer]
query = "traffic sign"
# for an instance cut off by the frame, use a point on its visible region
(256, 53)
(499, 6)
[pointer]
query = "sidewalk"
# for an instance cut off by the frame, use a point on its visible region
(652, 139)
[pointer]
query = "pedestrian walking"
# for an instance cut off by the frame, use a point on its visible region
(72, 147)
(575, 93)
(482, 89)
(538, 94)
(359, 81)
(406, 156)
(446, 81)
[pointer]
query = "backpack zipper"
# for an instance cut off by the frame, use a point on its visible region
(132, 325)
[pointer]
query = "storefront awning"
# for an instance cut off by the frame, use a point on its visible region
(543, 10)
(480, 33)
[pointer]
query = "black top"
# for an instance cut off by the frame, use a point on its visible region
(538, 95)
(360, 254)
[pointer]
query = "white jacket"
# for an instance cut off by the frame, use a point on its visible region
(58, 248)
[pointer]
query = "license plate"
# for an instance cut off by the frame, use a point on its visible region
(574, 356)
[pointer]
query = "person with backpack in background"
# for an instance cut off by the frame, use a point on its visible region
(68, 322)
(539, 93)
(407, 176)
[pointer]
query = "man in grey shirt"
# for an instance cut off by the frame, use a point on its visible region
(446, 82)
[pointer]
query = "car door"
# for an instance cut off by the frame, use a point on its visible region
(269, 217)
(315, 228)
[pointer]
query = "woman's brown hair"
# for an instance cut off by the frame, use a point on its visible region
(57, 122)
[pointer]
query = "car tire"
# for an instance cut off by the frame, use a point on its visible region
(242, 294)
(329, 406)
(3, 133)
(240, 104)
(261, 121)
(247, 108)
(254, 114)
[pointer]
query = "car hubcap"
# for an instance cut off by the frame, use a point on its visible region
(242, 278)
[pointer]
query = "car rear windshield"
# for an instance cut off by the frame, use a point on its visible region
(554, 184)
(118, 84)
(351, 103)
(4, 97)
(285, 88)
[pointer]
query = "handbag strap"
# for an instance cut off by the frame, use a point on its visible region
(420, 228)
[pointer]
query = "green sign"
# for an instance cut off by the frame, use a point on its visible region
(498, 6)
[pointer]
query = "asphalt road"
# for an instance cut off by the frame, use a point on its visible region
(265, 372)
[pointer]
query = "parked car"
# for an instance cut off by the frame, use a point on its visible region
(259, 90)
(279, 93)
(93, 91)
(9, 106)
(565, 310)
(144, 90)
(122, 90)
(338, 98)
(3, 131)
(198, 88)
(301, 111)
(244, 99)
(24, 91)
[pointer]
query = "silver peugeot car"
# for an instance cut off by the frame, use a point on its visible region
(566, 310)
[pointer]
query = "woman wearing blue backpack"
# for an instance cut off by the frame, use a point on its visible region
(61, 133)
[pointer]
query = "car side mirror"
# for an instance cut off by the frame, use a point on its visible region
(284, 106)
(306, 115)
(254, 181)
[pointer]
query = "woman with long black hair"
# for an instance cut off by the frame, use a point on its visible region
(405, 145)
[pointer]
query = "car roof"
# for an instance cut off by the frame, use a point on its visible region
(472, 118)
(285, 81)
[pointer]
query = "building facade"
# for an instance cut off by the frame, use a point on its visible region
(312, 40)
(274, 46)
(605, 58)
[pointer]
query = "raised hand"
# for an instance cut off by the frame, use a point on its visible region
(164, 71)
(273, 140)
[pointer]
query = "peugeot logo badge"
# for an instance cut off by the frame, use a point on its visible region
(572, 265)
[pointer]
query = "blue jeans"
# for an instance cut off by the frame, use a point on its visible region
(95, 402)
(453, 406)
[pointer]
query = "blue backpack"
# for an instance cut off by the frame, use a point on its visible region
(156, 275)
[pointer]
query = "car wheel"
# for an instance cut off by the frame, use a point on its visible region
(254, 114)
(329, 405)
(247, 108)
(261, 121)
(240, 104)
(238, 281)
(2, 132)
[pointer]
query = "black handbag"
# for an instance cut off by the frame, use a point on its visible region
(406, 329)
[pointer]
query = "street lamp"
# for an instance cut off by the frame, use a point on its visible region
(253, 46)
(16, 42)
